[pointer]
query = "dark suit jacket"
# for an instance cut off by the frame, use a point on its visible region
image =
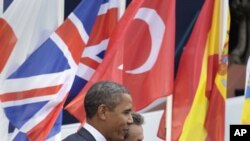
(81, 135)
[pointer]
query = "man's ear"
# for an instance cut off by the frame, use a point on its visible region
(102, 111)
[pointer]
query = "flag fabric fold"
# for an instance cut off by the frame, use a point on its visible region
(139, 54)
(34, 93)
(96, 47)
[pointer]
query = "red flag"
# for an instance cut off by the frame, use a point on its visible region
(162, 126)
(140, 54)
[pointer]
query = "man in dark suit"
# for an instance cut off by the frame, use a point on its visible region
(108, 107)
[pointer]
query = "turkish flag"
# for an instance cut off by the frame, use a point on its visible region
(140, 54)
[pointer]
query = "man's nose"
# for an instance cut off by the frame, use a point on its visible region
(130, 119)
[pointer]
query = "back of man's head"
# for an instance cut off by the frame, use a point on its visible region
(135, 132)
(103, 92)
(137, 118)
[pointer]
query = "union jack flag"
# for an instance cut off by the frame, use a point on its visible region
(33, 95)
(93, 54)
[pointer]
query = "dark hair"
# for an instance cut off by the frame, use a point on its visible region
(103, 92)
(137, 118)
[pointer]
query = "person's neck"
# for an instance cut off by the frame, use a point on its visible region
(98, 126)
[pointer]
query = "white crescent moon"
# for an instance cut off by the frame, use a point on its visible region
(156, 30)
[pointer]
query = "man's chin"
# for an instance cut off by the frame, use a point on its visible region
(120, 138)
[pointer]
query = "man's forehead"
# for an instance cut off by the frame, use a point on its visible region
(125, 102)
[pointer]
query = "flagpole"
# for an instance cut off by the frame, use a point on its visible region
(169, 107)
(60, 11)
(122, 7)
(1, 7)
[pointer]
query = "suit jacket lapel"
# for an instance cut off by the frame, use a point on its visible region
(86, 134)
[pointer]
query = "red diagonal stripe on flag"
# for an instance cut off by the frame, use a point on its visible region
(104, 23)
(71, 37)
(42, 129)
(30, 93)
(89, 62)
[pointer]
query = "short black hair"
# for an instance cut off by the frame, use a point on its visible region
(103, 92)
(137, 118)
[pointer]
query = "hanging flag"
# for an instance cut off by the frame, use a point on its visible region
(139, 49)
(202, 71)
(190, 83)
(98, 41)
(217, 71)
(21, 32)
(95, 50)
(245, 117)
(33, 95)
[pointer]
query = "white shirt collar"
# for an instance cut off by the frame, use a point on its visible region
(97, 135)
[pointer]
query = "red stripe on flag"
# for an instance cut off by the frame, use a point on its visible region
(30, 93)
(8, 40)
(104, 23)
(70, 35)
(89, 62)
(42, 129)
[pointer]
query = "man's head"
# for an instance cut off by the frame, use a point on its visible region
(108, 107)
(135, 132)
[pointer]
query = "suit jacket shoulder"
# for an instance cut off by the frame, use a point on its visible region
(81, 135)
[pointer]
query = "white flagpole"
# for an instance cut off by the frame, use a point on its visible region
(60, 11)
(169, 109)
(122, 7)
(1, 7)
